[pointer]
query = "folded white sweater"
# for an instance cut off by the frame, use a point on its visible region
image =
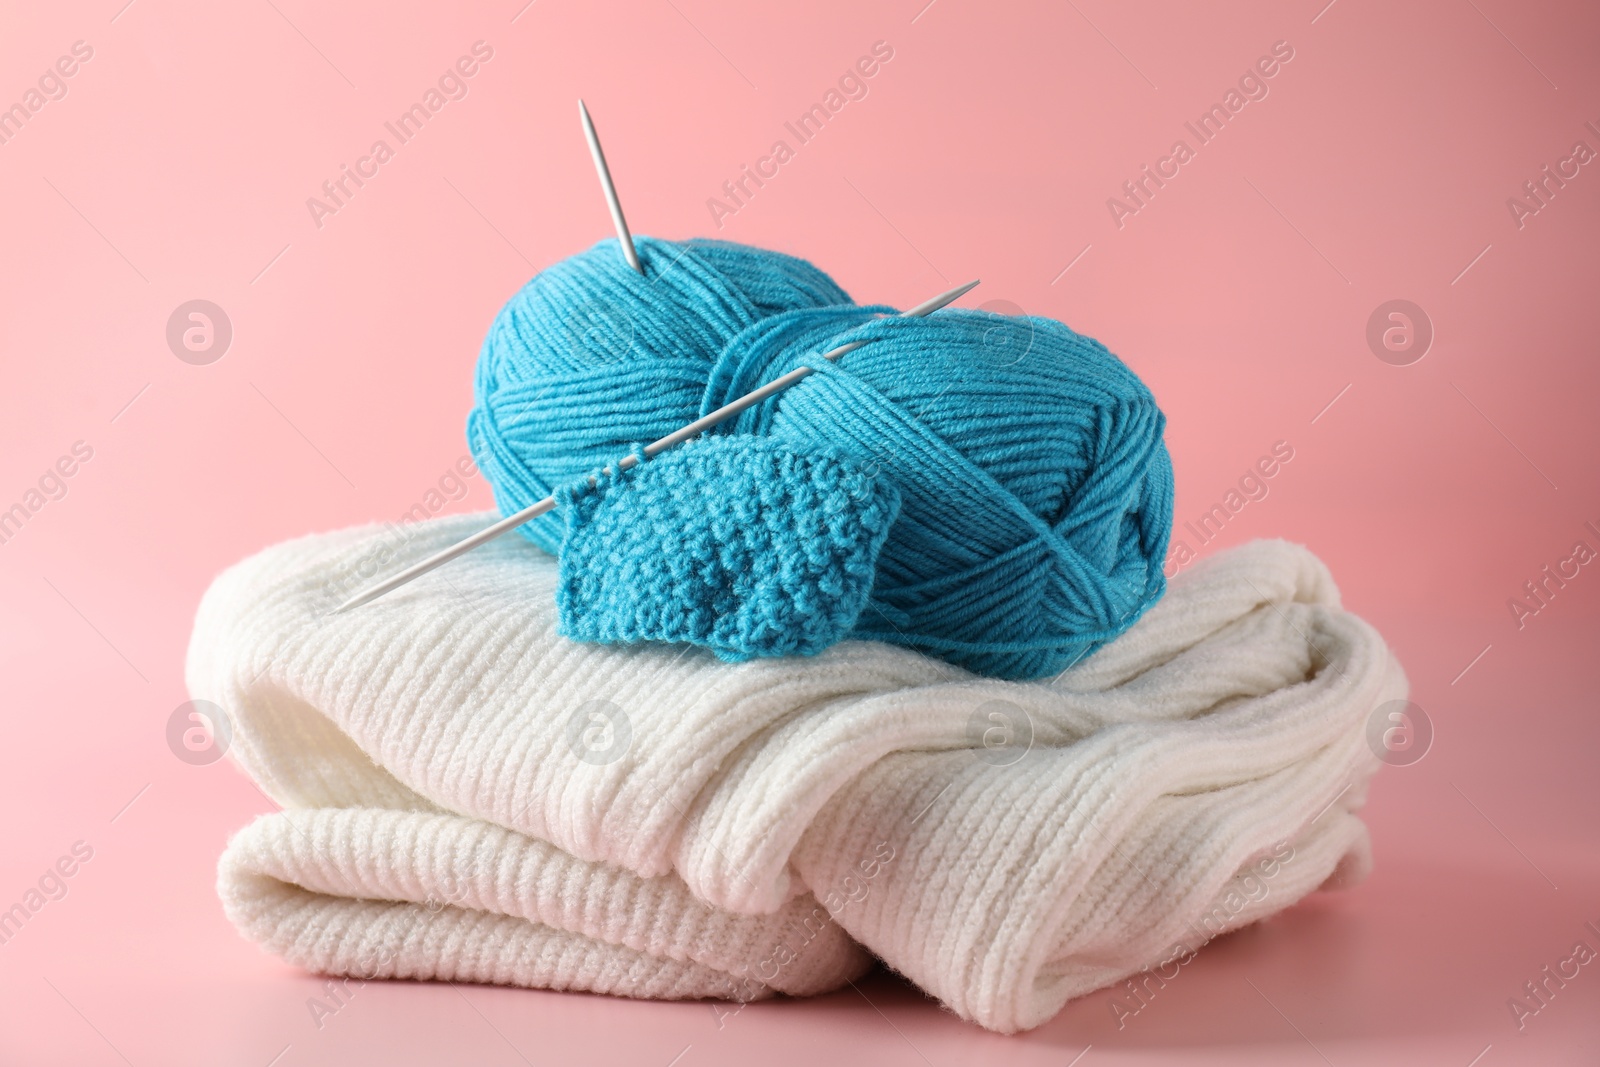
(468, 795)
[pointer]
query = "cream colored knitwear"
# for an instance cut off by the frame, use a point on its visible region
(468, 795)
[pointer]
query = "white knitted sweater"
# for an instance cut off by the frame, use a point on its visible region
(468, 795)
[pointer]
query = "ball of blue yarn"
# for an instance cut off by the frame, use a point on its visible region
(1035, 487)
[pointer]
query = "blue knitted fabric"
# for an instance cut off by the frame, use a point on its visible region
(1035, 489)
(740, 545)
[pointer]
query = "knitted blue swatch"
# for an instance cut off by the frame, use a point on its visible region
(739, 545)
(1034, 487)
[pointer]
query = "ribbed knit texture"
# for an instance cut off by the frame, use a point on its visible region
(381, 893)
(439, 814)
(741, 546)
(1036, 489)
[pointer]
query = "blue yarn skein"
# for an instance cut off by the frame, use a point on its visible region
(1035, 489)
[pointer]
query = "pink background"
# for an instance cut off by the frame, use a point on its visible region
(177, 167)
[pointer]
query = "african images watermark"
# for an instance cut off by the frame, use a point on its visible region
(337, 993)
(337, 192)
(1247, 888)
(852, 889)
(1552, 978)
(737, 192)
(1539, 591)
(599, 733)
(336, 996)
(999, 733)
(1252, 487)
(1399, 332)
(199, 732)
(1399, 732)
(51, 885)
(51, 485)
(50, 86)
(1252, 86)
(361, 571)
(1142, 988)
(1539, 191)
(199, 332)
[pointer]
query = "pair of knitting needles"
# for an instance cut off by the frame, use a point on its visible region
(705, 422)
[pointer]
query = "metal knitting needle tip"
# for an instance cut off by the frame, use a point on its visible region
(623, 236)
(694, 429)
(927, 307)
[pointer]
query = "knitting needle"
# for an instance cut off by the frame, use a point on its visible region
(705, 422)
(624, 238)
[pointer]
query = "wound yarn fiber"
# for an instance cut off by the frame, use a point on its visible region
(1034, 488)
